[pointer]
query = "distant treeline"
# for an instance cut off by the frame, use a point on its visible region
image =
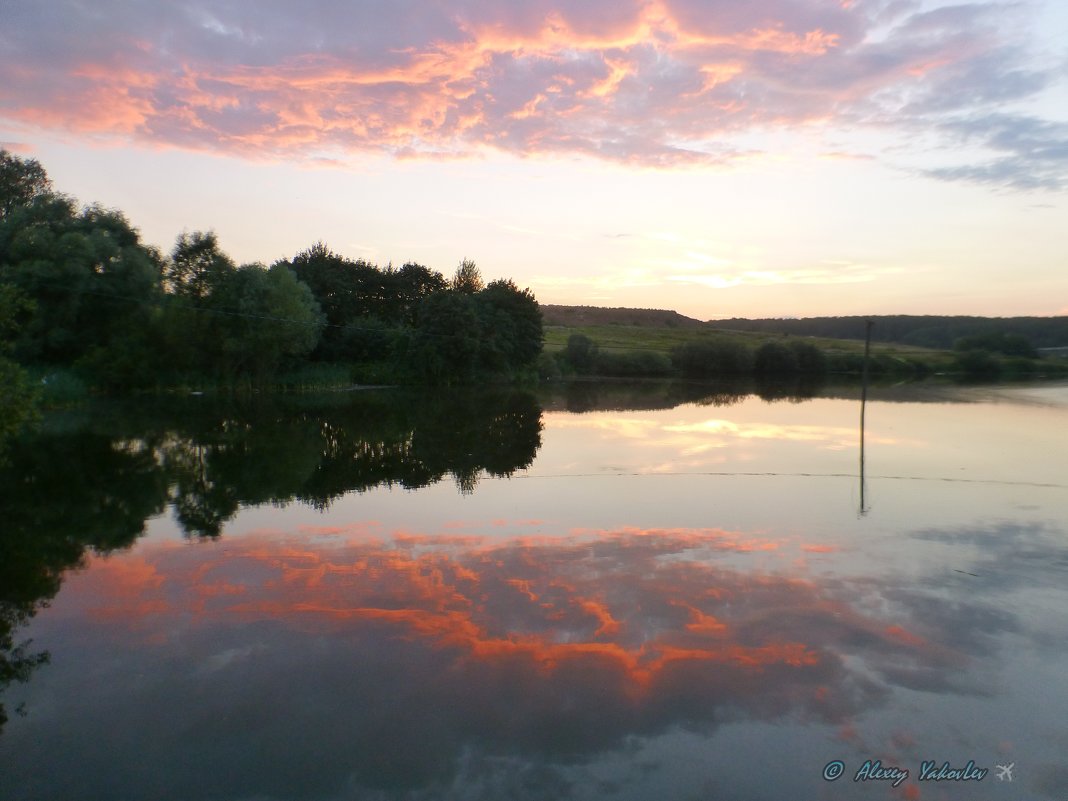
(922, 330)
(721, 356)
(718, 358)
(80, 292)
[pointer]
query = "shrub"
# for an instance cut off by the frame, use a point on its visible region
(549, 367)
(632, 364)
(774, 358)
(977, 364)
(810, 359)
(580, 352)
(707, 359)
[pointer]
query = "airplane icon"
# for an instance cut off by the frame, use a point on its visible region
(1005, 771)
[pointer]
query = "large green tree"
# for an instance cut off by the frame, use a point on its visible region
(445, 345)
(413, 282)
(267, 317)
(197, 265)
(192, 328)
(89, 277)
(364, 306)
(511, 326)
(21, 182)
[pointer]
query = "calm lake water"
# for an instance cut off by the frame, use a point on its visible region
(594, 592)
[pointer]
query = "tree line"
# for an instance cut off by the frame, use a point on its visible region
(985, 356)
(80, 290)
(716, 358)
(928, 331)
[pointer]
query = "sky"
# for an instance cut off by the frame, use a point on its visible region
(768, 158)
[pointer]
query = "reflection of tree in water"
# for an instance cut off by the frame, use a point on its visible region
(600, 395)
(62, 495)
(91, 484)
(216, 456)
(475, 432)
(200, 504)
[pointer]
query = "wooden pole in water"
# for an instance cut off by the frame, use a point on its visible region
(863, 404)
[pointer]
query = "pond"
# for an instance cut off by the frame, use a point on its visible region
(598, 591)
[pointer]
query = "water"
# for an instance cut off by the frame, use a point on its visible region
(599, 592)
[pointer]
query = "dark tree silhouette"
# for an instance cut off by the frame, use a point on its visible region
(21, 182)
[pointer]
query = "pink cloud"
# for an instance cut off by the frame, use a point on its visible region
(657, 83)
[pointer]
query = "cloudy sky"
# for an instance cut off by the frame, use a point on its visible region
(722, 158)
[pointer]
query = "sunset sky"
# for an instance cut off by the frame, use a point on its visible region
(718, 157)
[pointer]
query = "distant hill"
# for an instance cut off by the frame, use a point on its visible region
(574, 316)
(931, 331)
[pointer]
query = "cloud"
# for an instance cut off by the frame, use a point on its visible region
(1031, 153)
(16, 147)
(659, 83)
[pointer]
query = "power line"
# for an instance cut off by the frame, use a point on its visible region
(756, 474)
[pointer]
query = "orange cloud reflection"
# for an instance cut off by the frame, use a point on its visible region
(643, 609)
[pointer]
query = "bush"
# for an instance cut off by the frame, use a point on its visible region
(549, 367)
(1020, 366)
(978, 364)
(707, 359)
(632, 364)
(774, 358)
(580, 352)
(18, 399)
(363, 340)
(1008, 344)
(810, 359)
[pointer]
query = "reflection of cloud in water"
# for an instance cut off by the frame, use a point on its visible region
(830, 437)
(1007, 555)
(405, 662)
(704, 435)
(629, 428)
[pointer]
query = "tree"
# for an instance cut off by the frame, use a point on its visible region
(709, 358)
(580, 352)
(362, 303)
(810, 359)
(467, 279)
(445, 345)
(21, 182)
(977, 363)
(18, 397)
(412, 283)
(511, 323)
(265, 317)
(87, 274)
(197, 265)
(327, 275)
(774, 358)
